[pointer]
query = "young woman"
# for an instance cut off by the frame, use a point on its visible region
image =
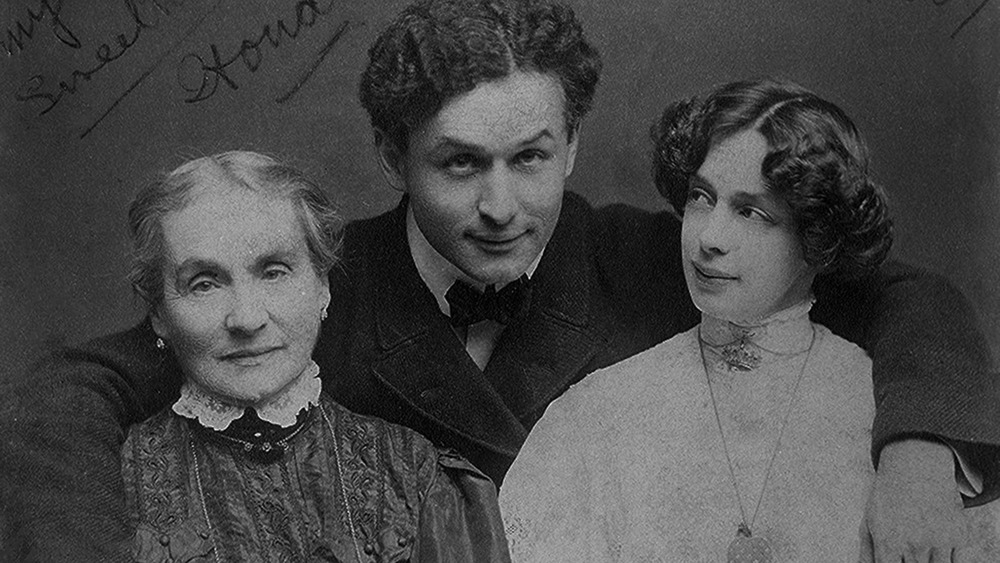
(746, 438)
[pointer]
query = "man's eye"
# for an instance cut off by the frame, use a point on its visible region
(531, 157)
(276, 272)
(460, 165)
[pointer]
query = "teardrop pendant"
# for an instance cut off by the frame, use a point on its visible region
(748, 549)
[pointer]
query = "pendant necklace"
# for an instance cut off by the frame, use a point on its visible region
(741, 355)
(747, 548)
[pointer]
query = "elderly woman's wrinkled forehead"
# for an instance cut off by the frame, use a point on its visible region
(235, 170)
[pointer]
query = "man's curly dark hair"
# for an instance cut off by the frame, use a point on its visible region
(817, 163)
(437, 49)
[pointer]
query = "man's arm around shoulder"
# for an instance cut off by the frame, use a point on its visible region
(61, 428)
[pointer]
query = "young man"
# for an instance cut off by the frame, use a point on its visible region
(487, 292)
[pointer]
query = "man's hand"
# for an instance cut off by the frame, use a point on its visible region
(914, 513)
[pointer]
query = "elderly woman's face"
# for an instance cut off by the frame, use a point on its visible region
(242, 302)
(742, 257)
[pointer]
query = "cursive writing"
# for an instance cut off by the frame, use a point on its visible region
(34, 89)
(307, 74)
(201, 78)
(24, 30)
(149, 70)
(972, 15)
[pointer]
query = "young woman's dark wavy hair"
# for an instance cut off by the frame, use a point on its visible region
(438, 49)
(816, 162)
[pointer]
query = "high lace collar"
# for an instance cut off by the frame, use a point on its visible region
(211, 412)
(785, 332)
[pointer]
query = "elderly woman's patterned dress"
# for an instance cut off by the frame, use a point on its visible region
(196, 494)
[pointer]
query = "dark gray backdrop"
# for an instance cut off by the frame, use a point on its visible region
(97, 96)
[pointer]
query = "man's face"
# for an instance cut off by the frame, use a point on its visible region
(485, 175)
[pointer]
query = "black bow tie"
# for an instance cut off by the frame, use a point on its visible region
(469, 306)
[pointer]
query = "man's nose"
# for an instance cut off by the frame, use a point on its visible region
(498, 196)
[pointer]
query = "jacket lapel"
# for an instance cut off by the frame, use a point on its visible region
(422, 360)
(537, 359)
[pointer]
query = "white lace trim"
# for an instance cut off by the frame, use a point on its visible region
(211, 412)
(782, 332)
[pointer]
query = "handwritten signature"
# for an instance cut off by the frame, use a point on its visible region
(968, 18)
(201, 79)
(972, 15)
(17, 38)
(34, 89)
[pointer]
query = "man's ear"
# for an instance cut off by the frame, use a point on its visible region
(571, 151)
(390, 160)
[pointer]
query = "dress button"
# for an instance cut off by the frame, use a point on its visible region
(164, 540)
(432, 394)
(369, 549)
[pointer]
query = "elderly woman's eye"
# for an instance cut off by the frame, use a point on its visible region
(202, 285)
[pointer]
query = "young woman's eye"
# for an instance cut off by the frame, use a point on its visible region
(756, 214)
(698, 196)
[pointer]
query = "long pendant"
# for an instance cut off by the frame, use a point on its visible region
(748, 549)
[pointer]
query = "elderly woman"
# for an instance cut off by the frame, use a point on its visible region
(253, 462)
(746, 438)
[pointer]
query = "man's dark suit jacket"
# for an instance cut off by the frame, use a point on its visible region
(609, 285)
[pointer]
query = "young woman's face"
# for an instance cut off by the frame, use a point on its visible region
(742, 258)
(242, 302)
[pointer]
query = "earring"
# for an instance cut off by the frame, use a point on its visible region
(323, 315)
(160, 344)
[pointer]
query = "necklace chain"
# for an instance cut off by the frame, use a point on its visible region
(343, 488)
(742, 353)
(748, 526)
(201, 497)
(340, 479)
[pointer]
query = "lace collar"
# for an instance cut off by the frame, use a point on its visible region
(211, 412)
(742, 345)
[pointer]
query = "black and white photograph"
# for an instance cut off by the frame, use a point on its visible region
(500, 280)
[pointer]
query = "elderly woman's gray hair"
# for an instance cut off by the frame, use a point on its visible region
(261, 174)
